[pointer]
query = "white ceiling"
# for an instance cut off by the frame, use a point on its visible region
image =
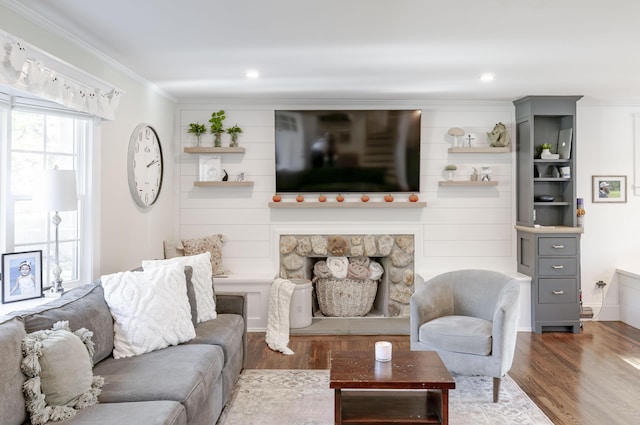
(364, 49)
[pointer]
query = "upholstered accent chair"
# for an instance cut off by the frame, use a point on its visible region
(470, 318)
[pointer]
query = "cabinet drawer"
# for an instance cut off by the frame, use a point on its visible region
(557, 246)
(557, 291)
(557, 266)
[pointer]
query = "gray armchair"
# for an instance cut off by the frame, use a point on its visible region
(470, 318)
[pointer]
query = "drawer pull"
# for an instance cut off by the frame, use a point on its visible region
(557, 266)
(558, 246)
(558, 292)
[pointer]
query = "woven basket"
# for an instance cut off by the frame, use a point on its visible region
(346, 297)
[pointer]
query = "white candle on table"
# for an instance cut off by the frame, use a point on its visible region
(383, 351)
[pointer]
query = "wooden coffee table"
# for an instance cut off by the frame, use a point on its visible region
(369, 391)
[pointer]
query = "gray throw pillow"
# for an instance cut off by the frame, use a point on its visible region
(59, 369)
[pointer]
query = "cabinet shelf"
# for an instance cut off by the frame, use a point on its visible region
(551, 179)
(551, 204)
(467, 183)
(480, 149)
(213, 150)
(347, 204)
(223, 184)
(551, 161)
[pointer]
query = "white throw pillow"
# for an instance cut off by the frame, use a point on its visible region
(150, 309)
(202, 281)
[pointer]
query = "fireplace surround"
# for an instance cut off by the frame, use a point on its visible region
(395, 252)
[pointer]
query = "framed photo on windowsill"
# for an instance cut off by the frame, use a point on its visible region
(609, 189)
(21, 276)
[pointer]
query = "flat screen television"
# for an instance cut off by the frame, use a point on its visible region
(345, 151)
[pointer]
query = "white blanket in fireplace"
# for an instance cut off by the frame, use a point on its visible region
(277, 337)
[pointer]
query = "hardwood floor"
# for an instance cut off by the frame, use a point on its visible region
(591, 378)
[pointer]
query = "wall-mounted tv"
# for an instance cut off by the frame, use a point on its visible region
(347, 151)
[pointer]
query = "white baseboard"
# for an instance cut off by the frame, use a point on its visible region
(605, 313)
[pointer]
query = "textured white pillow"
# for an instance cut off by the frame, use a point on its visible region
(201, 279)
(150, 309)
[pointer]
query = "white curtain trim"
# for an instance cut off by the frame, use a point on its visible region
(27, 68)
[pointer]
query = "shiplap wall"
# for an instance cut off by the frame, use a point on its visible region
(460, 227)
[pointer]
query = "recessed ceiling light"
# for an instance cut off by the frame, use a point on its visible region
(487, 77)
(252, 73)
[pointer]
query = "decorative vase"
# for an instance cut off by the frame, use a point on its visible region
(217, 140)
(545, 153)
(450, 174)
(198, 140)
(234, 140)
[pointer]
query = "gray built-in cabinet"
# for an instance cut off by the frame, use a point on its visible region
(547, 237)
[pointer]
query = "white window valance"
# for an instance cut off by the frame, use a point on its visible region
(32, 70)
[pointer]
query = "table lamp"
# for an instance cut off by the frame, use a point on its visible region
(59, 193)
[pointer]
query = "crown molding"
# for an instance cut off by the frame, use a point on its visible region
(42, 22)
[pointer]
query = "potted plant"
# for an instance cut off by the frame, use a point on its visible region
(217, 127)
(545, 149)
(197, 129)
(234, 131)
(450, 171)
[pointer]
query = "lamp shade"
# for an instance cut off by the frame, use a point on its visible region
(59, 191)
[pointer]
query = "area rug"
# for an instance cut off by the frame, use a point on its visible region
(303, 397)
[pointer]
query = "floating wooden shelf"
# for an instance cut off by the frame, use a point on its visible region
(466, 183)
(480, 149)
(212, 150)
(223, 184)
(370, 204)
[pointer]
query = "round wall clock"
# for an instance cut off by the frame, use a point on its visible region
(144, 165)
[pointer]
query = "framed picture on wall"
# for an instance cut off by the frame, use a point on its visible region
(609, 189)
(210, 168)
(21, 276)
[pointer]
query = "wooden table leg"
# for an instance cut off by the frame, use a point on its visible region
(445, 407)
(338, 407)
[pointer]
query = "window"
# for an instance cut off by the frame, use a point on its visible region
(37, 140)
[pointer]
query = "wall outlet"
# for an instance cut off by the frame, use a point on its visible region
(601, 284)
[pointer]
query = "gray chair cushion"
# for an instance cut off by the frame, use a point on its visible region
(460, 334)
(12, 405)
(83, 307)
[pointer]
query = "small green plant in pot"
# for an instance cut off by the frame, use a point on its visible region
(197, 129)
(544, 148)
(450, 171)
(217, 128)
(234, 131)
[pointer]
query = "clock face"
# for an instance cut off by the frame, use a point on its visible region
(144, 165)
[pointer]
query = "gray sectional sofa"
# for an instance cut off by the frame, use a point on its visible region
(186, 384)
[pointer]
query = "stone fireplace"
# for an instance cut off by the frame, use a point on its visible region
(299, 253)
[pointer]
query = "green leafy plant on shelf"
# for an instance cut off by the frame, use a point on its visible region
(197, 129)
(217, 127)
(234, 131)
